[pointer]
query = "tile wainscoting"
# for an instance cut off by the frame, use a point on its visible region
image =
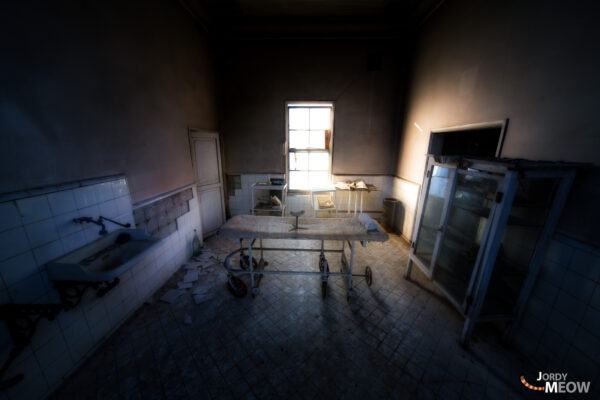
(407, 193)
(38, 228)
(239, 198)
(560, 329)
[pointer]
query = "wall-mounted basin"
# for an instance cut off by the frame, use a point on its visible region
(104, 259)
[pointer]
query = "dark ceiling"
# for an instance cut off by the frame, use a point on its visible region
(310, 18)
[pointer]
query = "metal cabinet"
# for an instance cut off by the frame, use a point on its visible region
(482, 229)
(266, 207)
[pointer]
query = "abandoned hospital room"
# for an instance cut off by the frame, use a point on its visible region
(299, 199)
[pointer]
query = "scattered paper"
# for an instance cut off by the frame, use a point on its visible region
(199, 298)
(184, 285)
(172, 295)
(198, 290)
(190, 276)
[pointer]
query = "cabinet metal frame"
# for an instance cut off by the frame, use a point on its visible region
(507, 174)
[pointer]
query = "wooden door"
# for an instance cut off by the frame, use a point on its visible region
(206, 158)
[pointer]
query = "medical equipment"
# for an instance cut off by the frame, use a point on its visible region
(251, 228)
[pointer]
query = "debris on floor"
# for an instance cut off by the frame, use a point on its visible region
(172, 295)
(201, 298)
(191, 276)
(184, 285)
(395, 341)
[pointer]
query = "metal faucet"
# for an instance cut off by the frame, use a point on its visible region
(99, 222)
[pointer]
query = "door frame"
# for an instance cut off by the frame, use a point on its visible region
(194, 134)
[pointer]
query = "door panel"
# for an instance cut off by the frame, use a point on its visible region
(431, 221)
(207, 161)
(210, 200)
(207, 165)
(469, 213)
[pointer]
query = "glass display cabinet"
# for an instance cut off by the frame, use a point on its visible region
(482, 229)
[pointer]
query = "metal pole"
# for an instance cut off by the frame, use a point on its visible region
(361, 200)
(408, 269)
(350, 268)
(348, 208)
(251, 264)
(261, 249)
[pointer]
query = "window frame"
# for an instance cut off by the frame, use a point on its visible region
(307, 104)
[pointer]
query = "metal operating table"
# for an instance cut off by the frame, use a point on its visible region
(251, 228)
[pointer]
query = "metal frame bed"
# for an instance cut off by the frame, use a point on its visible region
(252, 228)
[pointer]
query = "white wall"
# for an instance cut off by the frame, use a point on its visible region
(39, 228)
(479, 61)
(240, 201)
(99, 88)
(560, 329)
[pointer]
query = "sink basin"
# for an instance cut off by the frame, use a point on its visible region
(104, 259)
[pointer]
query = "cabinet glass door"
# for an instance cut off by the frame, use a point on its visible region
(531, 206)
(470, 210)
(437, 192)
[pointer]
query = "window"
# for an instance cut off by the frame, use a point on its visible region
(474, 140)
(309, 128)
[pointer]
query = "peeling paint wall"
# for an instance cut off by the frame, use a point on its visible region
(90, 89)
(536, 65)
(258, 77)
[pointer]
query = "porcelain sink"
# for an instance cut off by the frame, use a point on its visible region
(104, 259)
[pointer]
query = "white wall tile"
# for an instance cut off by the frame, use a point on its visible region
(124, 205)
(559, 253)
(41, 232)
(33, 386)
(591, 320)
(62, 202)
(17, 268)
(91, 232)
(109, 209)
(13, 242)
(586, 264)
(65, 225)
(125, 219)
(120, 188)
(92, 211)
(578, 286)
(79, 340)
(595, 302)
(45, 332)
(9, 216)
(95, 313)
(84, 196)
(158, 265)
(71, 318)
(50, 351)
(56, 371)
(103, 191)
(587, 342)
(48, 252)
(33, 209)
(27, 290)
(73, 241)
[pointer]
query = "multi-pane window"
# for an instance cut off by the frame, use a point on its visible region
(309, 145)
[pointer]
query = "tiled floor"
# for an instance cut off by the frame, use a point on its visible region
(397, 339)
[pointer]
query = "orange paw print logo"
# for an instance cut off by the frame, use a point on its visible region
(530, 386)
